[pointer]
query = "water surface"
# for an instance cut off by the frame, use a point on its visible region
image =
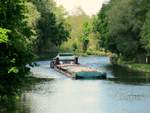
(123, 92)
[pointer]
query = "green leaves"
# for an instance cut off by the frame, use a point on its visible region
(85, 35)
(145, 34)
(15, 44)
(3, 35)
(11, 13)
(13, 70)
(51, 27)
(124, 28)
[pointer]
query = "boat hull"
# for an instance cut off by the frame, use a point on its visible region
(79, 72)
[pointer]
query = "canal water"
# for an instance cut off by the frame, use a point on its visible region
(123, 92)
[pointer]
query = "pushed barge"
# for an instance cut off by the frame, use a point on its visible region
(67, 64)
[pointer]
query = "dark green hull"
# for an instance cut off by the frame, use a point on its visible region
(90, 75)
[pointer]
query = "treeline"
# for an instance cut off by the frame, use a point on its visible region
(124, 28)
(51, 26)
(28, 28)
(82, 39)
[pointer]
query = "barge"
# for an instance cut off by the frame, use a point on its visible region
(67, 64)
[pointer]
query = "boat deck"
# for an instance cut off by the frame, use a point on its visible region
(75, 68)
(78, 71)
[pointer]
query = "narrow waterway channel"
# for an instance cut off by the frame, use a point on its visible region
(123, 92)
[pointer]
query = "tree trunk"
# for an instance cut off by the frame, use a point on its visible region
(148, 59)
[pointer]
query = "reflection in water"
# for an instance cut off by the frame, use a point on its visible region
(122, 75)
(123, 92)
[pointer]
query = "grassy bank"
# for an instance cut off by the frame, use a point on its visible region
(137, 67)
(115, 60)
(50, 55)
(98, 53)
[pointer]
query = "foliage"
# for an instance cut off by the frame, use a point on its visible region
(76, 24)
(82, 38)
(52, 31)
(119, 24)
(32, 18)
(85, 36)
(100, 25)
(145, 34)
(3, 35)
(139, 67)
(25, 28)
(34, 25)
(17, 48)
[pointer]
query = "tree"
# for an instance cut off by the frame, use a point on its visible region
(100, 24)
(76, 22)
(145, 35)
(17, 52)
(52, 32)
(119, 23)
(85, 36)
(32, 18)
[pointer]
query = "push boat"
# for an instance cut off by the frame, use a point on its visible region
(67, 63)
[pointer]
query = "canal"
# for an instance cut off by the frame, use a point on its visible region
(123, 92)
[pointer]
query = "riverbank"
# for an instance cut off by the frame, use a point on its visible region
(49, 56)
(115, 60)
(16, 86)
(137, 67)
(97, 53)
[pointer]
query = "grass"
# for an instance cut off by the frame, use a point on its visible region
(140, 67)
(93, 52)
(130, 64)
(137, 67)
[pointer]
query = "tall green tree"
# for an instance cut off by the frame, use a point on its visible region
(100, 24)
(17, 52)
(119, 23)
(51, 31)
(145, 34)
(85, 36)
(76, 22)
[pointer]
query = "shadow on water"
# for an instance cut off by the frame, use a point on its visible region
(13, 106)
(126, 76)
(11, 93)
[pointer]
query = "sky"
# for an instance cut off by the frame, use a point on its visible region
(90, 7)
